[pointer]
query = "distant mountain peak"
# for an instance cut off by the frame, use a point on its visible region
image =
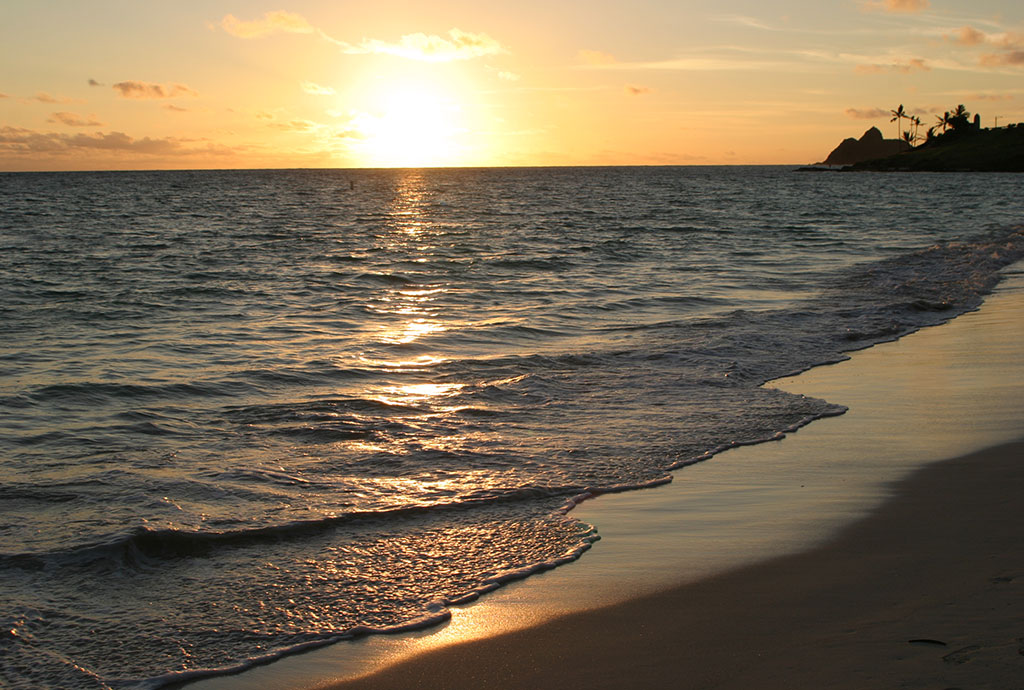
(871, 145)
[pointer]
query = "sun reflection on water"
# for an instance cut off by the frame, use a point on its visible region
(408, 232)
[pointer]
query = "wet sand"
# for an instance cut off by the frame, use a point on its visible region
(927, 592)
(842, 556)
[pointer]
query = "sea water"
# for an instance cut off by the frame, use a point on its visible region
(244, 413)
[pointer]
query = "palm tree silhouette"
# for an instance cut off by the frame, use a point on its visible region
(960, 117)
(946, 120)
(897, 117)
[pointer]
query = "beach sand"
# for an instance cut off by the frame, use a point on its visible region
(844, 556)
(927, 592)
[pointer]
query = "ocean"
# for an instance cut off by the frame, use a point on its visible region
(245, 413)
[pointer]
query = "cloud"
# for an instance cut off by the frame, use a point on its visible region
(508, 76)
(74, 120)
(596, 57)
(93, 82)
(912, 65)
(4, 95)
(44, 97)
(744, 20)
(459, 45)
(20, 141)
(278, 21)
(174, 108)
(968, 36)
(1009, 58)
(297, 125)
(989, 97)
(141, 89)
(1011, 44)
(897, 5)
(869, 114)
(637, 90)
(317, 90)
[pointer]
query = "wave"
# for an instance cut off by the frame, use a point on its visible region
(142, 546)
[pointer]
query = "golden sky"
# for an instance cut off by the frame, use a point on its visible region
(103, 84)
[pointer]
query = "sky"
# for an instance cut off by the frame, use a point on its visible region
(116, 85)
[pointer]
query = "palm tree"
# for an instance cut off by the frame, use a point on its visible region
(946, 120)
(960, 118)
(917, 124)
(897, 117)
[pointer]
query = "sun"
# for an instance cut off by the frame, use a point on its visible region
(411, 125)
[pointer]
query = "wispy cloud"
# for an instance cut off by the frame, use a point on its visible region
(908, 6)
(1009, 43)
(297, 125)
(278, 21)
(968, 36)
(867, 114)
(141, 89)
(903, 67)
(458, 45)
(93, 82)
(508, 76)
(21, 141)
(744, 20)
(638, 90)
(74, 120)
(706, 63)
(174, 108)
(44, 97)
(317, 90)
(1009, 58)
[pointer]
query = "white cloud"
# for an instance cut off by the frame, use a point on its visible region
(459, 45)
(317, 90)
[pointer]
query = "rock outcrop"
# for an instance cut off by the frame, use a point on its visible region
(870, 146)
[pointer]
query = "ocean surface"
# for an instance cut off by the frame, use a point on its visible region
(246, 413)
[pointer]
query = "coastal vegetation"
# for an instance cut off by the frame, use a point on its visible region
(956, 142)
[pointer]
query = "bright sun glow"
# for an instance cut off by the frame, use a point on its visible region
(412, 126)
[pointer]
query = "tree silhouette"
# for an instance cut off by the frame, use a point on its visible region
(960, 118)
(917, 124)
(897, 117)
(945, 120)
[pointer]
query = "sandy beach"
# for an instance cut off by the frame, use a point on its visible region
(852, 554)
(925, 593)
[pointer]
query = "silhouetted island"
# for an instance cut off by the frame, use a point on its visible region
(869, 147)
(961, 146)
(981, 150)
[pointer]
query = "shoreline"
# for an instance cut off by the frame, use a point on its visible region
(747, 507)
(912, 596)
